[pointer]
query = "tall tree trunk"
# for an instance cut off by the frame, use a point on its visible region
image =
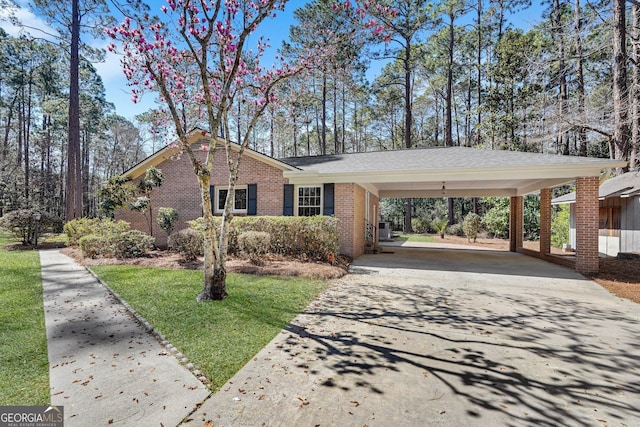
(620, 111)
(558, 30)
(324, 113)
(295, 133)
(408, 108)
(582, 132)
(27, 143)
(408, 124)
(336, 147)
(73, 187)
(479, 70)
(635, 96)
(448, 117)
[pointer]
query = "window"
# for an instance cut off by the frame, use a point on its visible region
(240, 202)
(309, 201)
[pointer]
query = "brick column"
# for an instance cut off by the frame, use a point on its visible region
(516, 220)
(587, 261)
(545, 221)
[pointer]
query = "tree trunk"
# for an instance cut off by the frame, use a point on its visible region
(324, 114)
(215, 285)
(479, 70)
(620, 112)
(635, 95)
(215, 274)
(408, 122)
(408, 228)
(73, 187)
(582, 132)
(563, 137)
(448, 119)
(450, 212)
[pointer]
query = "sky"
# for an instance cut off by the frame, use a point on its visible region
(276, 30)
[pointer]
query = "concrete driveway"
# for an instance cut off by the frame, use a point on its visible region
(446, 337)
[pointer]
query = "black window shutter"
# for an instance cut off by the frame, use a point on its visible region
(212, 195)
(252, 199)
(328, 198)
(287, 209)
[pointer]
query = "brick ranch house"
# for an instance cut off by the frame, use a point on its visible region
(350, 186)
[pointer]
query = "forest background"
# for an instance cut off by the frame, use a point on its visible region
(454, 73)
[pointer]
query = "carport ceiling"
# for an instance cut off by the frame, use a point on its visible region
(464, 172)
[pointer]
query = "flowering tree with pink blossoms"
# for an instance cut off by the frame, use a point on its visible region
(199, 61)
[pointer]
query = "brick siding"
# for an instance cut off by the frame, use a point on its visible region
(350, 210)
(587, 260)
(545, 221)
(180, 190)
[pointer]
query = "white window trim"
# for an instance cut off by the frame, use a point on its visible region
(296, 197)
(235, 211)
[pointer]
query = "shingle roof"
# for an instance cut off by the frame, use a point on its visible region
(624, 185)
(431, 158)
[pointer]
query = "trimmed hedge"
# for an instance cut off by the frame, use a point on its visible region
(187, 242)
(314, 237)
(254, 244)
(81, 227)
(104, 237)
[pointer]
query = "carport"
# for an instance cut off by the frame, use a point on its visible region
(470, 172)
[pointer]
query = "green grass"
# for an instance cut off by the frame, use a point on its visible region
(24, 366)
(218, 337)
(415, 238)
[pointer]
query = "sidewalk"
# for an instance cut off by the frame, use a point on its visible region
(104, 368)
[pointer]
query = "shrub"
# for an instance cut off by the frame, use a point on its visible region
(126, 244)
(167, 218)
(94, 245)
(471, 226)
(78, 228)
(187, 242)
(108, 238)
(132, 244)
(420, 224)
(22, 224)
(313, 237)
(496, 222)
(455, 230)
(254, 244)
(560, 227)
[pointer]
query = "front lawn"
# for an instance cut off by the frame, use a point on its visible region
(24, 365)
(415, 238)
(218, 337)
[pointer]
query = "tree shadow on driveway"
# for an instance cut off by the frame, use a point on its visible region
(462, 356)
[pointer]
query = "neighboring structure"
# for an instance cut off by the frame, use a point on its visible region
(619, 214)
(349, 186)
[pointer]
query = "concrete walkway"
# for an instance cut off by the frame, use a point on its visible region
(104, 368)
(441, 337)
